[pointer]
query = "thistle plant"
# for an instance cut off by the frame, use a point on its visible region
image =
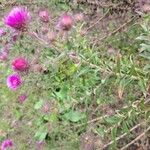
(65, 84)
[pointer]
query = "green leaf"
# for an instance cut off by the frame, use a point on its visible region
(63, 93)
(142, 37)
(114, 135)
(100, 131)
(145, 47)
(38, 105)
(41, 133)
(74, 116)
(144, 26)
(52, 117)
(125, 128)
(112, 120)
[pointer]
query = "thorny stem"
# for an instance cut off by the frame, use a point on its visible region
(42, 41)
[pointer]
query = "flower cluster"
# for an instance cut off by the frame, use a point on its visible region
(17, 20)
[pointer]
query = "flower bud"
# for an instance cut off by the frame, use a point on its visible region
(51, 36)
(65, 22)
(20, 64)
(43, 14)
(37, 68)
(22, 98)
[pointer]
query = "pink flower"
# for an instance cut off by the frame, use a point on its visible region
(22, 98)
(6, 144)
(65, 22)
(20, 64)
(13, 81)
(17, 18)
(2, 32)
(43, 14)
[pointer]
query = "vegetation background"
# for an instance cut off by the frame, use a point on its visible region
(88, 89)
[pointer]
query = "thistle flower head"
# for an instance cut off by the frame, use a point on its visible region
(65, 22)
(6, 144)
(17, 18)
(13, 81)
(20, 64)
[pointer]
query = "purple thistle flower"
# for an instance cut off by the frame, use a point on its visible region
(13, 81)
(17, 18)
(6, 144)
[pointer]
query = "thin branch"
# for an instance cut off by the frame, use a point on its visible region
(103, 117)
(121, 136)
(93, 120)
(97, 21)
(42, 41)
(136, 139)
(104, 5)
(116, 30)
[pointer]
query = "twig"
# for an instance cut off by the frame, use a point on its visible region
(116, 30)
(104, 5)
(93, 120)
(97, 21)
(121, 136)
(136, 139)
